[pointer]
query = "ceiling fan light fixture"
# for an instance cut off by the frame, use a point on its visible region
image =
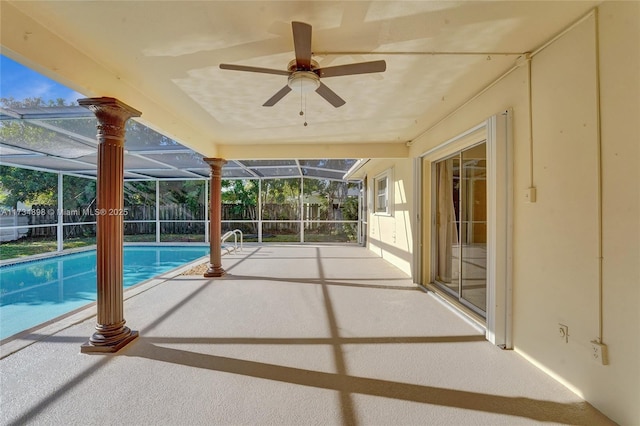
(304, 81)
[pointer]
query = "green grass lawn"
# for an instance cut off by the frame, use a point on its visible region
(32, 246)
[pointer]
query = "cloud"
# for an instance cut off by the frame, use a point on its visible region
(37, 89)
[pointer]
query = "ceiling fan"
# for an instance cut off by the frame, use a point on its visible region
(303, 72)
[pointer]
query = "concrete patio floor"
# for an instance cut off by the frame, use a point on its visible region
(294, 335)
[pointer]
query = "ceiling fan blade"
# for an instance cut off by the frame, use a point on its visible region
(275, 98)
(351, 69)
(330, 96)
(302, 44)
(253, 69)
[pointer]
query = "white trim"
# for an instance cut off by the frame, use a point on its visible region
(499, 230)
(389, 190)
(497, 132)
(356, 166)
(207, 207)
(388, 176)
(453, 140)
(417, 215)
(60, 218)
(432, 222)
(158, 234)
(301, 209)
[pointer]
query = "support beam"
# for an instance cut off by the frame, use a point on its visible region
(111, 333)
(215, 218)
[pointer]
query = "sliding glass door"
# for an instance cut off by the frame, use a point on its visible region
(461, 226)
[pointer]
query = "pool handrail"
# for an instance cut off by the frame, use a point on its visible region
(235, 233)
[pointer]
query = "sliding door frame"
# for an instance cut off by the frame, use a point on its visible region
(463, 228)
(496, 131)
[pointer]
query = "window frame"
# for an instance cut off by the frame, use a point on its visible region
(387, 177)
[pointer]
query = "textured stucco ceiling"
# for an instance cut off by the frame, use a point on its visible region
(163, 58)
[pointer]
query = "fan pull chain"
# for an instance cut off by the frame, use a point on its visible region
(301, 94)
(303, 107)
(305, 110)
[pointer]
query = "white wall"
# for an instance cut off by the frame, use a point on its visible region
(556, 240)
(616, 388)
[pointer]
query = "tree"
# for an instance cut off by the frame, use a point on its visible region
(140, 193)
(29, 186)
(16, 184)
(280, 199)
(188, 192)
(37, 102)
(78, 193)
(280, 190)
(242, 195)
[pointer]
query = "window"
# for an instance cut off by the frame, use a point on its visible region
(382, 194)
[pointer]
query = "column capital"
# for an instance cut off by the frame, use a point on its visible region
(216, 165)
(215, 162)
(112, 115)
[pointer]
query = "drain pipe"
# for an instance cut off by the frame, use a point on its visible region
(600, 338)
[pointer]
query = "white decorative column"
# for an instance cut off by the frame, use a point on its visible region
(111, 333)
(215, 218)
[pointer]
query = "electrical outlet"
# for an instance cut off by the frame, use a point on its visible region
(564, 332)
(599, 352)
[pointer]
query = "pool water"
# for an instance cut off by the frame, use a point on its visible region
(34, 292)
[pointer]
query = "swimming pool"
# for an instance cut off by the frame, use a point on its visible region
(32, 293)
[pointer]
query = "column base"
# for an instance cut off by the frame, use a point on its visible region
(102, 342)
(215, 271)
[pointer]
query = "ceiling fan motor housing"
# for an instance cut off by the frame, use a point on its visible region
(293, 66)
(303, 81)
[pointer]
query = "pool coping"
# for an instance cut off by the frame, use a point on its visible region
(19, 341)
(42, 256)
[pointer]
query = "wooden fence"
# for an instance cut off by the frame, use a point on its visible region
(177, 218)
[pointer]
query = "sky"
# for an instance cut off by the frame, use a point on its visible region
(20, 82)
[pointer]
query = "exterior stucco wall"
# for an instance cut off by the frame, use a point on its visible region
(390, 236)
(556, 240)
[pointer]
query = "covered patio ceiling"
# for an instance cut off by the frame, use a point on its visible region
(163, 58)
(62, 139)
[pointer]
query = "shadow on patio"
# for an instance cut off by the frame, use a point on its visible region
(293, 335)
